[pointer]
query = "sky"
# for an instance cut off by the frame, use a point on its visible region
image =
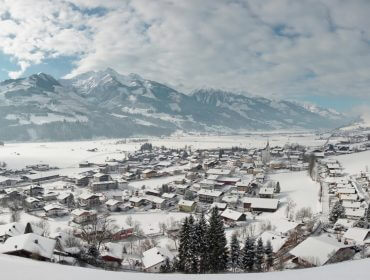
(308, 50)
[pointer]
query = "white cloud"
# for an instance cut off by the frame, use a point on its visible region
(268, 47)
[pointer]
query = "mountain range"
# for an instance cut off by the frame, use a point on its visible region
(108, 104)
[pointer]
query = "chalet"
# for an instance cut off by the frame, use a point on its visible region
(137, 201)
(153, 192)
(29, 245)
(102, 177)
(154, 258)
(49, 196)
(220, 206)
(243, 185)
(320, 250)
(156, 202)
(260, 204)
(231, 216)
(228, 180)
(209, 196)
(41, 177)
(170, 197)
(112, 253)
(103, 186)
(89, 200)
(122, 233)
(8, 182)
(82, 181)
(231, 200)
(32, 203)
(357, 236)
(186, 205)
(54, 210)
(80, 216)
(149, 173)
(266, 192)
(181, 189)
(113, 205)
(353, 213)
(66, 198)
(36, 190)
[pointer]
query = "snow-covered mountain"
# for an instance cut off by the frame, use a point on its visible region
(108, 104)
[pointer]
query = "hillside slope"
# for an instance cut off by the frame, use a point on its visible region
(108, 104)
(16, 268)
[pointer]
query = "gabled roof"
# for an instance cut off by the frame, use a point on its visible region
(231, 214)
(358, 235)
(317, 250)
(31, 243)
(155, 256)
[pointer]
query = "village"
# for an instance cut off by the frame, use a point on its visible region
(126, 212)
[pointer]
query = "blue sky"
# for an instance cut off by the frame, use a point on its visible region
(310, 50)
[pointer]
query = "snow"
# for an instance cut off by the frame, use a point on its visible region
(318, 249)
(149, 221)
(16, 268)
(355, 163)
(29, 242)
(299, 187)
(155, 256)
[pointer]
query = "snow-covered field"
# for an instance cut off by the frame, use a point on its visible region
(355, 163)
(16, 268)
(69, 154)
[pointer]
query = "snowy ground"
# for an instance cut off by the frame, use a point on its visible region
(355, 163)
(69, 154)
(16, 268)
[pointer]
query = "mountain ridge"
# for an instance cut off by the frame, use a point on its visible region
(108, 104)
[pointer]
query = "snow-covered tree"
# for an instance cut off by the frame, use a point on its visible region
(248, 254)
(259, 255)
(184, 245)
(269, 255)
(191, 263)
(201, 240)
(218, 251)
(337, 212)
(234, 252)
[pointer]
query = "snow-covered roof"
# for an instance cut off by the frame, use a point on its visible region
(231, 214)
(80, 212)
(64, 195)
(210, 193)
(53, 206)
(29, 242)
(317, 250)
(352, 212)
(169, 195)
(155, 256)
(114, 250)
(266, 191)
(277, 241)
(31, 199)
(219, 171)
(358, 235)
(264, 203)
(184, 202)
(112, 202)
(136, 199)
(347, 223)
(12, 229)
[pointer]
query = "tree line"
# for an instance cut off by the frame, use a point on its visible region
(203, 248)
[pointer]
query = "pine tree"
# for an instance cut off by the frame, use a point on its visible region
(248, 255)
(337, 212)
(259, 255)
(269, 255)
(183, 246)
(234, 252)
(218, 252)
(367, 217)
(201, 240)
(191, 264)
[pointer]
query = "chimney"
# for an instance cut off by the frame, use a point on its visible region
(36, 241)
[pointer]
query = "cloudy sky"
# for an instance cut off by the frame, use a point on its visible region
(313, 50)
